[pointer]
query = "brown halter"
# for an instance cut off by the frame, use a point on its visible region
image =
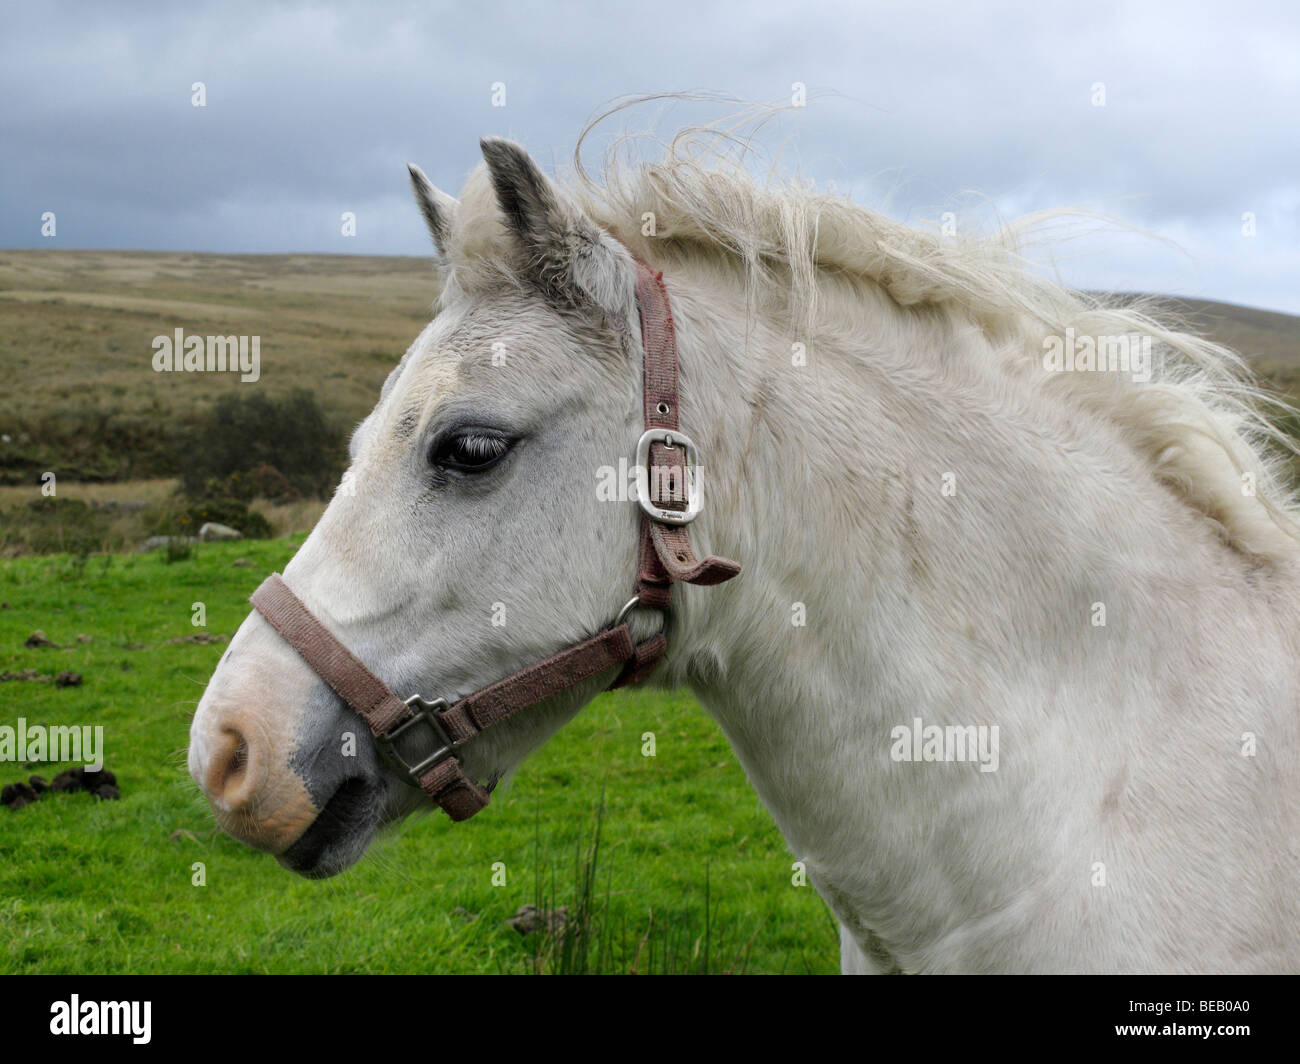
(665, 555)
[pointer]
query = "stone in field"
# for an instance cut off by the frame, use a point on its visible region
(529, 919)
(211, 531)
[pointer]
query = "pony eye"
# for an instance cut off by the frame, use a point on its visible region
(471, 450)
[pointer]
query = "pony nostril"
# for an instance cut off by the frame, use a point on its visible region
(228, 775)
(238, 762)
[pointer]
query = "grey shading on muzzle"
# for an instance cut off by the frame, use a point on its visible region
(333, 746)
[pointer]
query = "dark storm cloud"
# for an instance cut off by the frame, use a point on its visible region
(313, 110)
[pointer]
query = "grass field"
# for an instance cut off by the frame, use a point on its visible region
(80, 396)
(691, 874)
(78, 325)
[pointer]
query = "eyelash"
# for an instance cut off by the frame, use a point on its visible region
(471, 450)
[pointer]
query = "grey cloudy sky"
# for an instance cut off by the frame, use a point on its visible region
(314, 108)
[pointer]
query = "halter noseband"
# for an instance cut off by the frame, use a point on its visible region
(664, 556)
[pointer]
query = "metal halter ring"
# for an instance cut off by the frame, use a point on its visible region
(628, 608)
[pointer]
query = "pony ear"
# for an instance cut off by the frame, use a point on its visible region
(436, 206)
(564, 250)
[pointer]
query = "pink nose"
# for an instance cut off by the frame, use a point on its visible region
(228, 779)
(248, 781)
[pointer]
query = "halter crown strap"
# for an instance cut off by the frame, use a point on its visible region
(665, 554)
(667, 456)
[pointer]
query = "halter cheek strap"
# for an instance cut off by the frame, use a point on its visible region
(420, 739)
(665, 554)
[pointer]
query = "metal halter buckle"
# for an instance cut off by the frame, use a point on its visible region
(424, 712)
(690, 468)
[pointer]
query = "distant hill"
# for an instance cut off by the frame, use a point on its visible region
(77, 329)
(79, 391)
(1269, 340)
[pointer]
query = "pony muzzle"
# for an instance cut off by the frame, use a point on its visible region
(245, 775)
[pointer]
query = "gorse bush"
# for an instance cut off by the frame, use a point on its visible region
(287, 444)
(248, 446)
(184, 517)
(230, 512)
(55, 526)
(90, 443)
(261, 482)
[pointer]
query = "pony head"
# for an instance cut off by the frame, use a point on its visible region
(447, 558)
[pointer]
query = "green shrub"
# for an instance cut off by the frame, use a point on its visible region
(287, 444)
(53, 526)
(91, 444)
(261, 482)
(187, 516)
(177, 551)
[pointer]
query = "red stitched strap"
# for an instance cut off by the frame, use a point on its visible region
(331, 660)
(642, 663)
(659, 341)
(447, 784)
(665, 553)
(373, 700)
(654, 587)
(672, 544)
(530, 685)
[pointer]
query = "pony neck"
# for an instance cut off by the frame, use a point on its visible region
(922, 543)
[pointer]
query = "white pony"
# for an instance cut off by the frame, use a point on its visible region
(1014, 658)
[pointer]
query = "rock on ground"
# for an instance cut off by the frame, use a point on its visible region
(212, 531)
(530, 918)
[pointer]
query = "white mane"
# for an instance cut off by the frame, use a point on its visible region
(1198, 421)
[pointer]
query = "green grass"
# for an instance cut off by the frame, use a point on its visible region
(689, 874)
